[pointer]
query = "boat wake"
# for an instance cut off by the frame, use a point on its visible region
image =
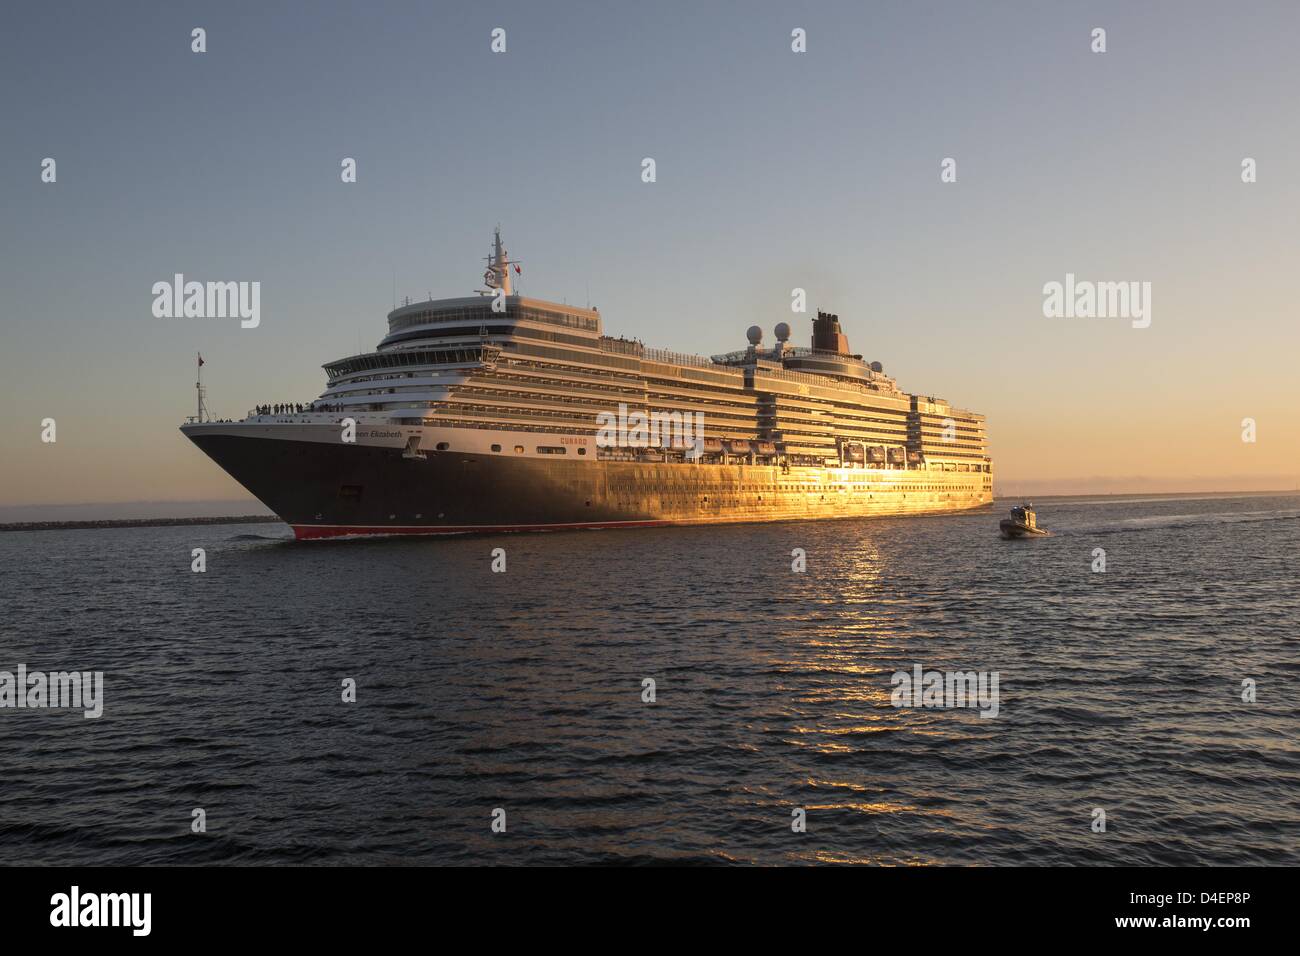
(1164, 522)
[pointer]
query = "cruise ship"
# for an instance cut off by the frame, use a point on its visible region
(496, 412)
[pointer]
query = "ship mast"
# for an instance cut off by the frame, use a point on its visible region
(200, 390)
(497, 275)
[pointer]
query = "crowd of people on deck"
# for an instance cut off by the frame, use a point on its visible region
(294, 408)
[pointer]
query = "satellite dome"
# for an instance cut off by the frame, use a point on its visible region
(755, 335)
(782, 332)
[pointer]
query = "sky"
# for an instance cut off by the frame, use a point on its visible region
(774, 170)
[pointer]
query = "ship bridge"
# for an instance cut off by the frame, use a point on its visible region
(475, 316)
(495, 310)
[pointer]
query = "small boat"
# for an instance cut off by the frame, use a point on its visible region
(1023, 523)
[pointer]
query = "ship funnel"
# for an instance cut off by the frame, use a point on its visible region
(827, 336)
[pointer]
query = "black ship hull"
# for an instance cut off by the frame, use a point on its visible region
(326, 490)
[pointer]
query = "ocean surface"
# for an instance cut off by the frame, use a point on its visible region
(1119, 691)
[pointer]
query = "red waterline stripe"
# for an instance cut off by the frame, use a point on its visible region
(306, 532)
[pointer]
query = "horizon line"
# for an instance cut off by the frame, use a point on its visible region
(251, 508)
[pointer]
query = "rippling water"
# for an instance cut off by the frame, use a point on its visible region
(522, 690)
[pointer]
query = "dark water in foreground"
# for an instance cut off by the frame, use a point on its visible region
(522, 690)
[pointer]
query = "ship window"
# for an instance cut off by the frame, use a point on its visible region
(519, 449)
(551, 449)
(442, 446)
(582, 451)
(496, 447)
